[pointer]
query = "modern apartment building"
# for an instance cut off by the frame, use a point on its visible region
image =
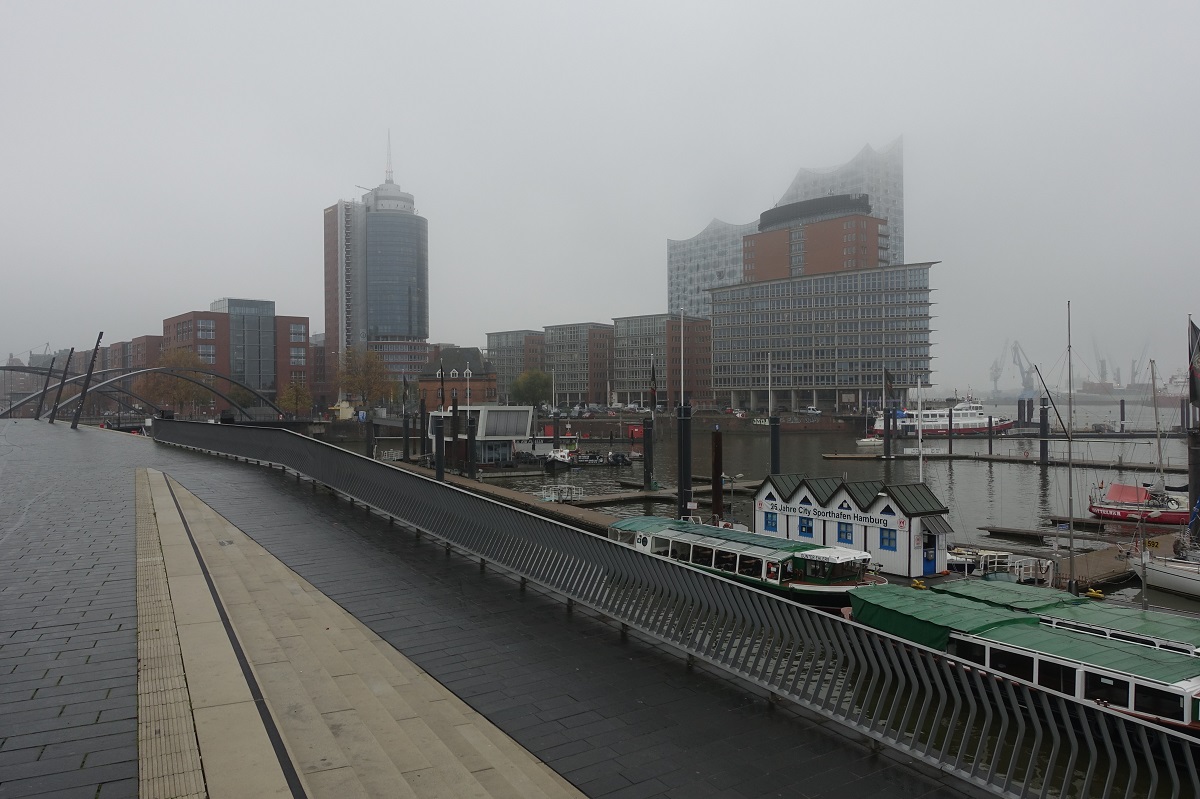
(822, 340)
(715, 257)
(650, 346)
(377, 278)
(513, 352)
(246, 340)
(579, 359)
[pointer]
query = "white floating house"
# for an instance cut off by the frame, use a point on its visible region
(904, 527)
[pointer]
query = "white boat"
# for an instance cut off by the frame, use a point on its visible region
(969, 419)
(1174, 575)
(561, 455)
(870, 441)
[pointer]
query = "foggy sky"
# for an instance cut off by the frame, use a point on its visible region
(155, 157)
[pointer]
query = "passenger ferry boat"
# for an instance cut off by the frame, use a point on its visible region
(1157, 684)
(969, 420)
(808, 573)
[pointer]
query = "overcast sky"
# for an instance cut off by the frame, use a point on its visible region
(157, 156)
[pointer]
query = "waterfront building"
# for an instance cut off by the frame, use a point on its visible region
(246, 340)
(714, 257)
(579, 359)
(461, 372)
(652, 343)
(512, 353)
(904, 527)
(377, 278)
(811, 237)
(824, 340)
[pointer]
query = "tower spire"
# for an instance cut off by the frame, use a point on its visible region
(388, 174)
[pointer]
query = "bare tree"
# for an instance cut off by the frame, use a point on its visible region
(364, 376)
(295, 398)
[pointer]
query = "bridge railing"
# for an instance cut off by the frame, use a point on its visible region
(991, 730)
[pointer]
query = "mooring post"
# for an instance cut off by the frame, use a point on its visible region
(405, 448)
(471, 423)
(991, 431)
(424, 431)
(439, 448)
(1044, 431)
(949, 431)
(648, 453)
(773, 424)
(684, 498)
(718, 477)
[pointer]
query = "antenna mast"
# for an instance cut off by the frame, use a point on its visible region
(388, 174)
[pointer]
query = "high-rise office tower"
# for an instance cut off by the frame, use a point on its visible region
(377, 277)
(713, 258)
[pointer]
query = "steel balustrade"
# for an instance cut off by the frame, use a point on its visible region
(991, 730)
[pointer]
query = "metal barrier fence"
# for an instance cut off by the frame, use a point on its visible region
(991, 730)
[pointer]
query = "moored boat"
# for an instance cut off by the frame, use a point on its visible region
(1153, 684)
(808, 573)
(966, 418)
(1134, 503)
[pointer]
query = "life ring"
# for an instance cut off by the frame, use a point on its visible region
(1026, 453)
(1172, 504)
(727, 525)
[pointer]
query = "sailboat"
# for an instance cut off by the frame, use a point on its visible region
(1133, 503)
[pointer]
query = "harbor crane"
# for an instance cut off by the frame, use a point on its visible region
(998, 368)
(1028, 371)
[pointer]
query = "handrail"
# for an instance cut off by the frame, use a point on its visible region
(994, 731)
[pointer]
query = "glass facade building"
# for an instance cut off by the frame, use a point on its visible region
(713, 258)
(377, 279)
(251, 341)
(397, 276)
(822, 340)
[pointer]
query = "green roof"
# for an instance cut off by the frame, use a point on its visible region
(928, 618)
(1013, 596)
(1152, 623)
(823, 488)
(864, 492)
(656, 524)
(1067, 607)
(784, 484)
(1140, 661)
(915, 499)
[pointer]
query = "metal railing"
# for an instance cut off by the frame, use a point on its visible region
(991, 730)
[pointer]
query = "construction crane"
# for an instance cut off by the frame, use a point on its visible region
(998, 368)
(1027, 370)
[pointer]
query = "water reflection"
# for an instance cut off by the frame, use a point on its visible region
(977, 493)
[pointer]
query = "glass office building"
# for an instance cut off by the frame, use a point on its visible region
(822, 340)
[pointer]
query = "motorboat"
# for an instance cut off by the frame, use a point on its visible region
(966, 418)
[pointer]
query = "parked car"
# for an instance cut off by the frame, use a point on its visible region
(812, 410)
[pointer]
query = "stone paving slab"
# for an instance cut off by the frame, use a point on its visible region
(561, 684)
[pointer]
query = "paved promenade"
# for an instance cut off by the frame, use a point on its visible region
(289, 644)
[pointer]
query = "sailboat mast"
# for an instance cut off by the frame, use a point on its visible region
(1157, 427)
(1070, 458)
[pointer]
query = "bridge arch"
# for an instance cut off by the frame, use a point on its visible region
(124, 373)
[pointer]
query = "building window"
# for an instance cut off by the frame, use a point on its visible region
(206, 328)
(207, 352)
(845, 533)
(298, 333)
(887, 539)
(299, 378)
(805, 528)
(771, 521)
(299, 356)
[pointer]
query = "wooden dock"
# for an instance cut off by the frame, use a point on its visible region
(1032, 459)
(700, 493)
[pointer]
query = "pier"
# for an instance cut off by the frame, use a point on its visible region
(495, 690)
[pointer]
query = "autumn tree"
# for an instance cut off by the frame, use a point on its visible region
(531, 388)
(364, 376)
(168, 390)
(295, 398)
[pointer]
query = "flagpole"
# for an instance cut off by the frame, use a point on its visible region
(681, 356)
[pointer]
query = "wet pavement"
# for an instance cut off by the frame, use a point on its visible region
(615, 716)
